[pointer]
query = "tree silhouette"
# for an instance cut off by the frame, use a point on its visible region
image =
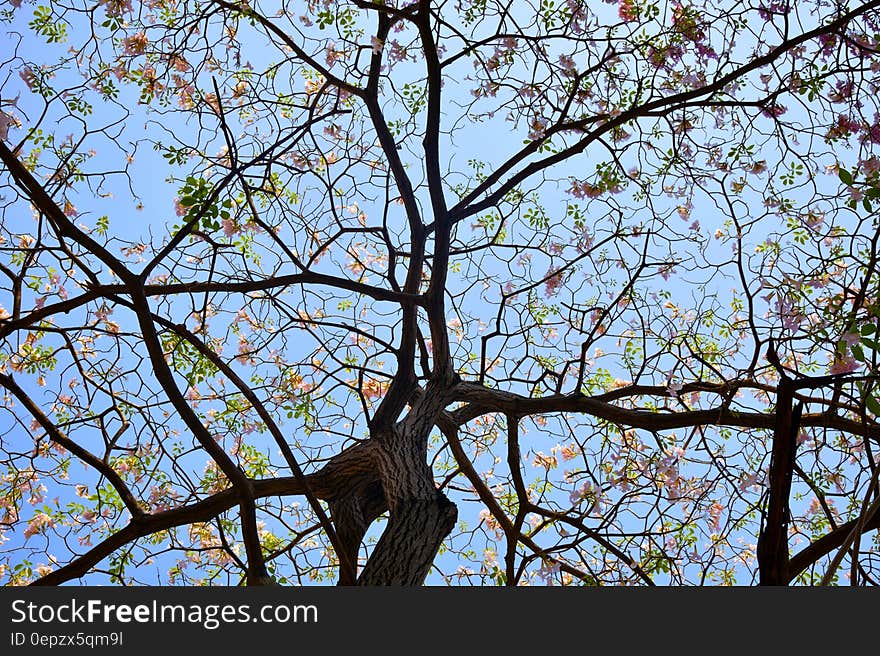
(467, 292)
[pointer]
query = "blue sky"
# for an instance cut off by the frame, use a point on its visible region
(689, 237)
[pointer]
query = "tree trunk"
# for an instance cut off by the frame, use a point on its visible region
(352, 515)
(420, 515)
(773, 551)
(407, 549)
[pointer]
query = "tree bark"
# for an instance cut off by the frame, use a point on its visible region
(773, 551)
(420, 515)
(352, 515)
(407, 549)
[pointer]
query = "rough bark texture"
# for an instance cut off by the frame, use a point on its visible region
(352, 515)
(405, 552)
(420, 515)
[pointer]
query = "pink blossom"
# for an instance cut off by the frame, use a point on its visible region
(774, 110)
(567, 63)
(814, 220)
(843, 89)
(851, 338)
(587, 490)
(844, 126)
(39, 522)
(548, 571)
(748, 481)
(70, 210)
(828, 42)
(135, 44)
(537, 127)
(815, 507)
(7, 121)
(627, 10)
(870, 166)
(116, 7)
(212, 101)
(376, 45)
(715, 511)
(843, 365)
(790, 315)
(585, 190)
(545, 461)
(332, 54)
(552, 284)
(30, 78)
(244, 351)
(776, 7)
(871, 133)
(373, 389)
(397, 52)
(179, 209)
(230, 227)
(120, 71)
(178, 63)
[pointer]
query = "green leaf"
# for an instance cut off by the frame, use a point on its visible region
(872, 404)
(857, 352)
(845, 176)
(868, 329)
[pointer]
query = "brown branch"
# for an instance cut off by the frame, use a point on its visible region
(468, 207)
(488, 499)
(483, 400)
(826, 544)
(8, 326)
(45, 204)
(350, 468)
(83, 454)
(247, 286)
(772, 551)
(347, 567)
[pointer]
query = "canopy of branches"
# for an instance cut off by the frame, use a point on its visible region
(481, 293)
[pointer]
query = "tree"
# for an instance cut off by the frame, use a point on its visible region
(467, 292)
